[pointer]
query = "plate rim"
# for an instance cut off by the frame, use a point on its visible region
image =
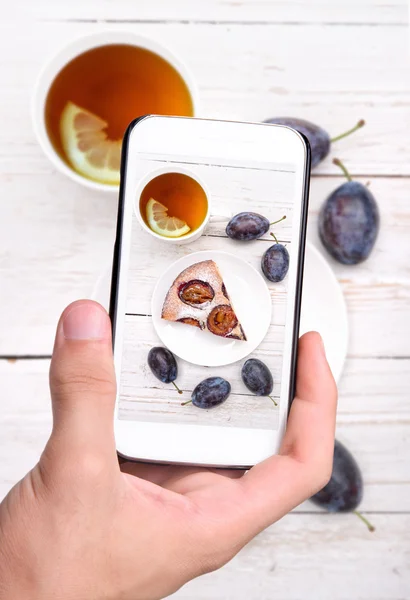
(343, 305)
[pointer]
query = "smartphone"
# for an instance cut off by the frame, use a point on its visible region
(205, 304)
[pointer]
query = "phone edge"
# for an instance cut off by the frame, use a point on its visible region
(300, 274)
(118, 236)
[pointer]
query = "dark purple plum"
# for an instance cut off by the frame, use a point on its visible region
(275, 262)
(257, 378)
(163, 365)
(210, 392)
(247, 226)
(344, 491)
(349, 222)
(319, 139)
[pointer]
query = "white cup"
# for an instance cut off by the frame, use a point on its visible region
(67, 54)
(189, 237)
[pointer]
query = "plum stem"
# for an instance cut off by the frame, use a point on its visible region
(274, 237)
(339, 163)
(185, 403)
(176, 387)
(369, 526)
(349, 131)
(273, 400)
(278, 221)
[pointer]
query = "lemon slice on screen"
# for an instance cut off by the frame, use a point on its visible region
(161, 223)
(87, 146)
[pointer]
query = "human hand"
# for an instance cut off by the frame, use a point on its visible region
(80, 526)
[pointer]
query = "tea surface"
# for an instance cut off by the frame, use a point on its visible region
(118, 83)
(182, 195)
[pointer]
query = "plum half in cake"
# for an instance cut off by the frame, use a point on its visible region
(198, 297)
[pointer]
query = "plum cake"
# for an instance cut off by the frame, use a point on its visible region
(198, 297)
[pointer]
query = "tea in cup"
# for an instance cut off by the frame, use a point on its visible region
(90, 92)
(173, 205)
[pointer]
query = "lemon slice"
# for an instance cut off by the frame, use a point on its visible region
(161, 223)
(87, 146)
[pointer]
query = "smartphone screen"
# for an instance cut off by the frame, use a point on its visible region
(205, 303)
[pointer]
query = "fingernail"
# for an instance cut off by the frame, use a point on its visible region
(86, 321)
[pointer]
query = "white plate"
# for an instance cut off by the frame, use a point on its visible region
(323, 306)
(251, 301)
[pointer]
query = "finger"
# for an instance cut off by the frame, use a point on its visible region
(311, 426)
(278, 484)
(82, 382)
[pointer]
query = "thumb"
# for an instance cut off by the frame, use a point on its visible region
(82, 383)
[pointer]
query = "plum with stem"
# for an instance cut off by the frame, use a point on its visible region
(258, 378)
(344, 491)
(275, 262)
(163, 365)
(319, 140)
(210, 392)
(247, 226)
(349, 221)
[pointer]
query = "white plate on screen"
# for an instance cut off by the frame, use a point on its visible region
(323, 306)
(251, 301)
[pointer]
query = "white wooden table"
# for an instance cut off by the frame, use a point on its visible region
(331, 61)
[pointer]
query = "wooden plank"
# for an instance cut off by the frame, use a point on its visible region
(143, 396)
(305, 557)
(376, 387)
(263, 74)
(375, 425)
(293, 11)
(59, 239)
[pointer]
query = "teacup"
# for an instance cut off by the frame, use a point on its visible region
(171, 187)
(78, 55)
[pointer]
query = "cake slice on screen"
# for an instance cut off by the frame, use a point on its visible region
(198, 297)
